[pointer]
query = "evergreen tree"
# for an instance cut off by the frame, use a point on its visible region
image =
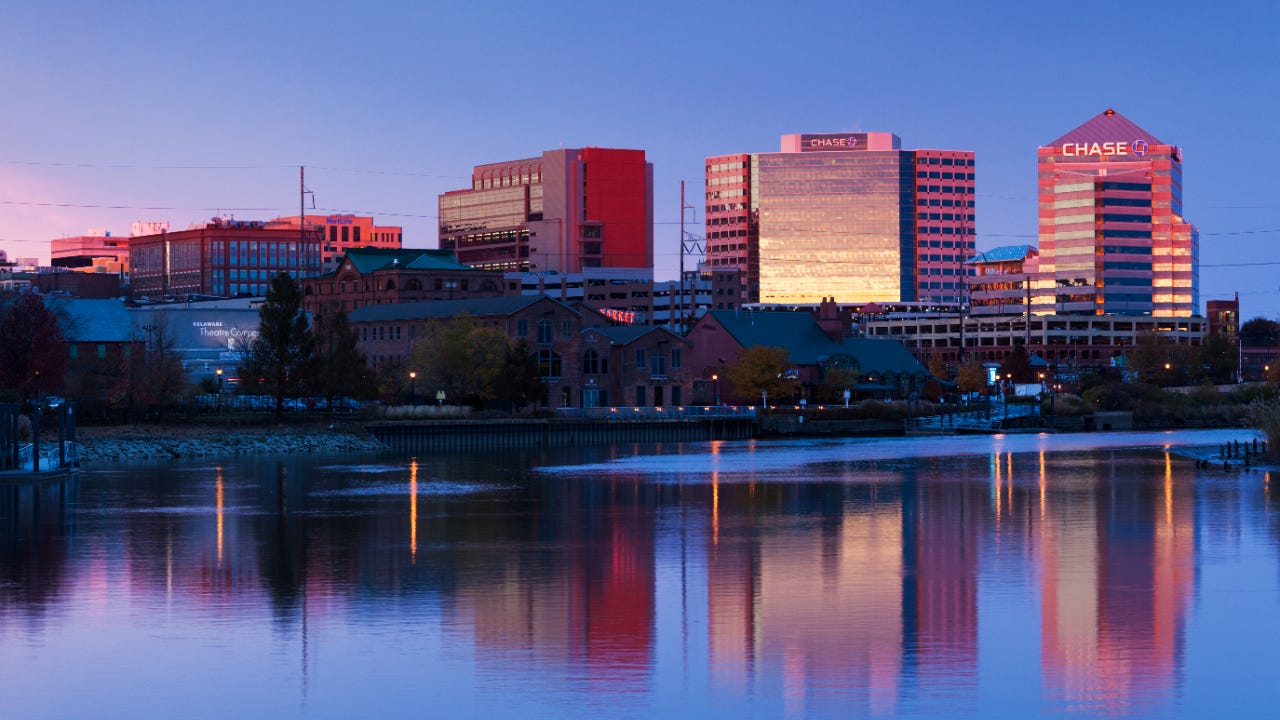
(281, 359)
(341, 370)
(518, 384)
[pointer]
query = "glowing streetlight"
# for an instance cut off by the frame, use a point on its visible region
(413, 393)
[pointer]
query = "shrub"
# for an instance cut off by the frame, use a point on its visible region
(1264, 414)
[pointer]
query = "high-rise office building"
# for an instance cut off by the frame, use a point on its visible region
(1113, 240)
(564, 211)
(849, 215)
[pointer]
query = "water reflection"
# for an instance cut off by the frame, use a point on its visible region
(816, 584)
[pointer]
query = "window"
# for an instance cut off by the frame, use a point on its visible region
(591, 362)
(544, 332)
(102, 351)
(522, 328)
(566, 328)
(639, 395)
(675, 360)
(640, 358)
(658, 366)
(548, 364)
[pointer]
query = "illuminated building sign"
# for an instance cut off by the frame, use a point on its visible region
(827, 142)
(622, 316)
(338, 220)
(1137, 148)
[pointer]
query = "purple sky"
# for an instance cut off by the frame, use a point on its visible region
(116, 112)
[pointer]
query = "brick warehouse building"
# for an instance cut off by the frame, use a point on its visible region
(369, 276)
(583, 360)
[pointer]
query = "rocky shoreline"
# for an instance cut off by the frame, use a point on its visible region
(120, 445)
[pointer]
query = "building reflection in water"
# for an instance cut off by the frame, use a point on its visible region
(864, 578)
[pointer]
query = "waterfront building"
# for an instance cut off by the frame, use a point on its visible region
(565, 211)
(851, 215)
(816, 345)
(1113, 239)
(342, 233)
(373, 276)
(631, 296)
(641, 366)
(223, 257)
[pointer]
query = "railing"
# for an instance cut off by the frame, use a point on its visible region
(992, 418)
(50, 457)
(658, 413)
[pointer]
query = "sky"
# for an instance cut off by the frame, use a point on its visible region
(116, 112)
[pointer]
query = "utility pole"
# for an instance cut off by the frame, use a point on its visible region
(688, 243)
(302, 218)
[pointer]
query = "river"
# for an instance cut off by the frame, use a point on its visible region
(985, 576)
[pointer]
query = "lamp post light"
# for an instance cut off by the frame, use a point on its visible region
(219, 372)
(439, 398)
(715, 379)
(413, 390)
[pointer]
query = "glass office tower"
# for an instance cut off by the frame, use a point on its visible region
(846, 215)
(1113, 240)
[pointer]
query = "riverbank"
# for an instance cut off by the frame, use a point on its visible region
(102, 445)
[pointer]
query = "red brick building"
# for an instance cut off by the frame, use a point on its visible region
(369, 276)
(583, 360)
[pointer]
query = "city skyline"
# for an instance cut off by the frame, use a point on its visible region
(146, 114)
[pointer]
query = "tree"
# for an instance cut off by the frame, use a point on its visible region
(33, 352)
(835, 380)
(1152, 359)
(1018, 365)
(461, 358)
(761, 370)
(160, 379)
(519, 384)
(971, 377)
(281, 358)
(1217, 360)
(341, 370)
(1260, 332)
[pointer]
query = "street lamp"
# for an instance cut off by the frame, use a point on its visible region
(715, 378)
(413, 391)
(219, 371)
(439, 397)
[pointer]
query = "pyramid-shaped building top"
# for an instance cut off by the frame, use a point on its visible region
(1106, 126)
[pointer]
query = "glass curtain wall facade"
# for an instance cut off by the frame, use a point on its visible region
(1113, 240)
(837, 224)
(850, 216)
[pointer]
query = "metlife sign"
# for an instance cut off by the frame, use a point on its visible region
(829, 142)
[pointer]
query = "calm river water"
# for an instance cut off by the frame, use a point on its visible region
(1019, 576)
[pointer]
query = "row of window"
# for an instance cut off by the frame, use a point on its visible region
(934, 202)
(947, 216)
(934, 175)
(943, 189)
(958, 162)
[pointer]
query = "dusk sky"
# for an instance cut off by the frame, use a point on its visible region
(125, 111)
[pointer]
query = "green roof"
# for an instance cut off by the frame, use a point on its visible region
(626, 334)
(882, 355)
(1005, 253)
(367, 260)
(435, 309)
(807, 344)
(798, 332)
